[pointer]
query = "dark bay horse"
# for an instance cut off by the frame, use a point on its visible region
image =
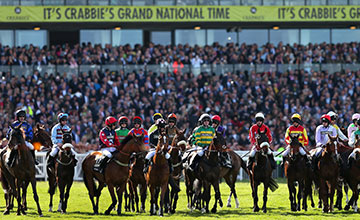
(178, 145)
(116, 173)
(261, 171)
(297, 171)
(63, 175)
(157, 176)
(328, 174)
(22, 172)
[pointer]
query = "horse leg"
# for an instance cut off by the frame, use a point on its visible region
(291, 188)
(255, 196)
(152, 198)
(217, 195)
(136, 199)
(62, 195)
(174, 197)
(24, 202)
(98, 193)
(18, 197)
(35, 195)
(300, 195)
(323, 192)
(206, 197)
(113, 199)
(164, 189)
(143, 196)
(353, 187)
(90, 185)
(339, 194)
(67, 195)
(346, 189)
(119, 192)
(333, 186)
(266, 186)
(167, 200)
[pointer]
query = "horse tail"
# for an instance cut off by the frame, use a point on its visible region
(243, 164)
(273, 185)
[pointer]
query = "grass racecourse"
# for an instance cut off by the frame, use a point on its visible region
(80, 207)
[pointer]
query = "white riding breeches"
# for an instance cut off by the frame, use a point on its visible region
(55, 150)
(108, 151)
(152, 153)
(29, 145)
(287, 151)
(254, 150)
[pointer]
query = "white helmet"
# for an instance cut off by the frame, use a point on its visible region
(355, 116)
(260, 115)
(203, 116)
(332, 115)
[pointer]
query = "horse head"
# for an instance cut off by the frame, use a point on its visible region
(17, 136)
(66, 136)
(294, 144)
(330, 146)
(179, 142)
(41, 136)
(262, 141)
(133, 143)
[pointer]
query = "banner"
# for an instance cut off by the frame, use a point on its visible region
(179, 13)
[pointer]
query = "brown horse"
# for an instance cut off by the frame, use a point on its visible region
(297, 171)
(137, 179)
(41, 137)
(116, 173)
(22, 172)
(158, 176)
(178, 145)
(261, 171)
(64, 173)
(328, 174)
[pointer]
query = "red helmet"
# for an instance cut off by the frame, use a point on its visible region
(216, 118)
(110, 120)
(172, 118)
(325, 118)
(123, 118)
(137, 118)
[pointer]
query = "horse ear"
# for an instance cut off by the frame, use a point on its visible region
(38, 125)
(70, 130)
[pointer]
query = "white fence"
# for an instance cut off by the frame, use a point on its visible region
(78, 176)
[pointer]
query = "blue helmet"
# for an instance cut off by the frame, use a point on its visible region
(61, 116)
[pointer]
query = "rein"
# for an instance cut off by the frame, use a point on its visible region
(64, 164)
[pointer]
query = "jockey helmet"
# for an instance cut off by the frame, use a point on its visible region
(204, 117)
(110, 121)
(123, 119)
(296, 118)
(20, 113)
(332, 115)
(137, 120)
(172, 118)
(216, 118)
(259, 117)
(156, 116)
(325, 118)
(62, 116)
(160, 123)
(355, 116)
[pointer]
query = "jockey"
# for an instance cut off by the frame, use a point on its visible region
(353, 126)
(259, 117)
(171, 128)
(225, 157)
(56, 138)
(122, 131)
(339, 133)
(352, 142)
(155, 117)
(296, 128)
(321, 136)
(21, 116)
(203, 138)
(138, 130)
(109, 141)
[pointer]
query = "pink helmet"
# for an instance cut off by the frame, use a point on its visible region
(355, 116)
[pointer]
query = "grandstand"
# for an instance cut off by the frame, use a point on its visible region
(94, 58)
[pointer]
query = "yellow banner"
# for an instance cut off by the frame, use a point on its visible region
(178, 13)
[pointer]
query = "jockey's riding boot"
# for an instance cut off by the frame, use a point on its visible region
(99, 167)
(173, 185)
(227, 160)
(315, 161)
(283, 161)
(11, 158)
(170, 166)
(33, 155)
(51, 161)
(146, 165)
(272, 161)
(307, 161)
(250, 162)
(74, 159)
(194, 163)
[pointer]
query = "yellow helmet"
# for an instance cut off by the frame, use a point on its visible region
(156, 116)
(296, 115)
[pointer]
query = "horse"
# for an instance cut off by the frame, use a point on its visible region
(63, 175)
(261, 171)
(137, 178)
(296, 170)
(230, 174)
(158, 176)
(22, 172)
(178, 145)
(41, 137)
(116, 173)
(328, 174)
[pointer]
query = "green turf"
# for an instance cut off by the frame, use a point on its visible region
(80, 206)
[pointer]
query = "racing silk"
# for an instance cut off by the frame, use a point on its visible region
(108, 138)
(220, 129)
(154, 138)
(191, 139)
(122, 133)
(340, 134)
(56, 133)
(352, 139)
(254, 130)
(152, 128)
(204, 136)
(352, 127)
(25, 126)
(321, 135)
(140, 131)
(303, 138)
(170, 133)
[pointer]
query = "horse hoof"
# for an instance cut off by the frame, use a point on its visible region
(256, 209)
(347, 207)
(203, 210)
(6, 212)
(312, 205)
(118, 213)
(213, 210)
(264, 210)
(107, 212)
(228, 205)
(50, 210)
(172, 211)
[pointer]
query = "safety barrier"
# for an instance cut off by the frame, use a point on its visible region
(78, 176)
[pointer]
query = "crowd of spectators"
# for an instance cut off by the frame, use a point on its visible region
(236, 96)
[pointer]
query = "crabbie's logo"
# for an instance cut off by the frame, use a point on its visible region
(17, 10)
